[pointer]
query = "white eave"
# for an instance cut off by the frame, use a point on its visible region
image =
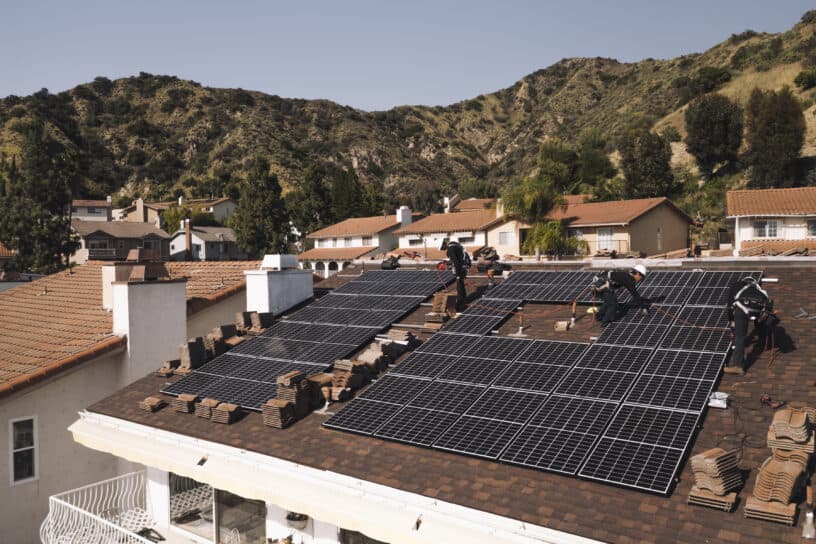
(379, 511)
(809, 214)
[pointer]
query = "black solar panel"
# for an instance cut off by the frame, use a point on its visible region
(642, 466)
(367, 302)
(423, 365)
(574, 414)
(559, 293)
(506, 405)
(378, 319)
(229, 365)
(362, 416)
(709, 296)
(671, 392)
(477, 436)
(655, 315)
(355, 336)
(326, 354)
(716, 318)
(360, 288)
(665, 295)
(229, 390)
(686, 364)
(698, 339)
(531, 278)
(496, 308)
(596, 384)
(256, 395)
(550, 449)
(551, 352)
(631, 334)
(672, 277)
(474, 370)
(500, 348)
(417, 426)
(192, 384)
(395, 389)
(514, 292)
(531, 377)
(274, 348)
(725, 279)
(476, 325)
(616, 358)
(301, 331)
(455, 398)
(668, 428)
(449, 344)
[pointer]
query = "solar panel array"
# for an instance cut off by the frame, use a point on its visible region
(553, 287)
(623, 410)
(312, 338)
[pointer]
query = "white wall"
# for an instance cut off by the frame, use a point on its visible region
(788, 228)
(277, 290)
(432, 240)
(220, 313)
(224, 210)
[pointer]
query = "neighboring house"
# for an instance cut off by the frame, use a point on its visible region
(336, 246)
(6, 255)
(773, 220)
(150, 212)
(465, 221)
(74, 337)
(91, 210)
(651, 226)
(113, 240)
(207, 244)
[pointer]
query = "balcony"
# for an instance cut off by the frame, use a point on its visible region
(111, 511)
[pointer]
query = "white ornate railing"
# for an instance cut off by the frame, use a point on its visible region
(111, 511)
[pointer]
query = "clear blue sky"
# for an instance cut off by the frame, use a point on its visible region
(370, 54)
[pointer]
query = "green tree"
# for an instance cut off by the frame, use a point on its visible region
(308, 205)
(531, 200)
(477, 188)
(714, 126)
(172, 217)
(558, 163)
(645, 162)
(775, 129)
(36, 201)
(594, 165)
(346, 194)
(261, 223)
(551, 238)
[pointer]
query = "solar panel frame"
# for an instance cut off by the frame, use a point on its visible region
(655, 315)
(473, 370)
(678, 278)
(703, 316)
(671, 392)
(640, 466)
(274, 348)
(553, 352)
(229, 390)
(423, 365)
(615, 358)
(301, 331)
(451, 397)
(192, 384)
(596, 384)
(698, 339)
(648, 425)
(394, 389)
(255, 397)
(492, 308)
(708, 296)
(724, 279)
(686, 364)
(506, 405)
(417, 426)
(477, 437)
(475, 325)
(532, 377)
(362, 416)
(446, 344)
(500, 348)
(583, 415)
(550, 449)
(630, 334)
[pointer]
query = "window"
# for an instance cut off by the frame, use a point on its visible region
(368, 240)
(92, 211)
(23, 444)
(465, 241)
(147, 244)
(575, 233)
(346, 242)
(659, 239)
(191, 506)
(121, 244)
(334, 242)
(765, 229)
(506, 238)
(415, 242)
(812, 227)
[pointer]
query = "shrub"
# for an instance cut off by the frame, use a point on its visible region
(671, 134)
(806, 79)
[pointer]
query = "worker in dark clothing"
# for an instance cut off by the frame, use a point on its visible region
(607, 283)
(748, 302)
(460, 261)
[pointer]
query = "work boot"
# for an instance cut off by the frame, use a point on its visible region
(734, 370)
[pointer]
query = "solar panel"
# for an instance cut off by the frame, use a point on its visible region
(581, 415)
(544, 448)
(558, 293)
(668, 428)
(708, 296)
(551, 352)
(698, 339)
(474, 370)
(671, 392)
(495, 308)
(274, 348)
(256, 395)
(360, 288)
(641, 466)
(531, 377)
(531, 277)
(326, 354)
(686, 364)
(228, 364)
(417, 426)
(615, 358)
(500, 348)
(631, 334)
(477, 436)
(672, 277)
(506, 405)
(655, 315)
(192, 384)
(301, 331)
(513, 292)
(229, 390)
(367, 302)
(362, 416)
(451, 397)
(725, 279)
(476, 325)
(355, 336)
(703, 317)
(378, 319)
(395, 389)
(449, 344)
(423, 365)
(665, 294)
(596, 384)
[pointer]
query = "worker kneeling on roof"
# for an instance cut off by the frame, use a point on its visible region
(747, 302)
(605, 285)
(460, 261)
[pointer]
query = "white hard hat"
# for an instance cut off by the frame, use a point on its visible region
(640, 269)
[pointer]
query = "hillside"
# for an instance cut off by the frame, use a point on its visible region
(151, 135)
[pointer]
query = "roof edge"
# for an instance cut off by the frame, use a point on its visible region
(197, 304)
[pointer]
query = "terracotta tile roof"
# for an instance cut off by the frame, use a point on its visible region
(91, 203)
(796, 201)
(432, 253)
(357, 226)
(456, 221)
(335, 253)
(581, 507)
(118, 229)
(5, 252)
(616, 212)
(475, 204)
(58, 321)
(778, 246)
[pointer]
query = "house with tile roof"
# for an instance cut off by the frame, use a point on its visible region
(91, 210)
(338, 245)
(150, 212)
(205, 243)
(772, 221)
(648, 226)
(74, 337)
(113, 240)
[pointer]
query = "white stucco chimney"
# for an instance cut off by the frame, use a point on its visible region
(404, 215)
(499, 208)
(450, 203)
(278, 285)
(181, 200)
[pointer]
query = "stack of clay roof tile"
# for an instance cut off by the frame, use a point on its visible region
(152, 404)
(184, 403)
(716, 475)
(792, 429)
(294, 387)
(225, 413)
(192, 355)
(316, 394)
(205, 407)
(278, 413)
(778, 479)
(350, 374)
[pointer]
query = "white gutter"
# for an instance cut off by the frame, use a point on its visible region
(379, 511)
(809, 214)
